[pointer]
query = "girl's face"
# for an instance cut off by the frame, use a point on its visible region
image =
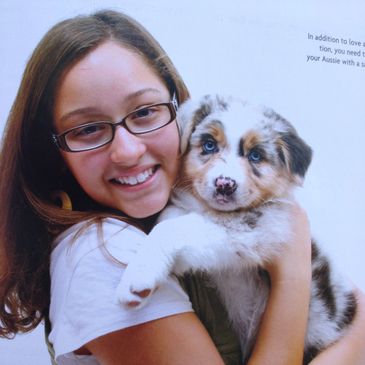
(133, 174)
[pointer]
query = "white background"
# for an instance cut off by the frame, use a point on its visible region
(254, 49)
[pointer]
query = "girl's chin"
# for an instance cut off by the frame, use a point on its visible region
(142, 214)
(145, 206)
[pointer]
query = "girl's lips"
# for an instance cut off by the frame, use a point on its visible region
(137, 179)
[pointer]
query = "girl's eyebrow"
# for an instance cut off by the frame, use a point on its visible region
(142, 92)
(92, 110)
(80, 111)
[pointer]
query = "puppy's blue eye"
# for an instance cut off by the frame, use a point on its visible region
(210, 146)
(255, 156)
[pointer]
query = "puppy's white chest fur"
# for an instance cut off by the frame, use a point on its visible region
(233, 261)
(251, 237)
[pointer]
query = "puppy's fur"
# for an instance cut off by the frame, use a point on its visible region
(230, 214)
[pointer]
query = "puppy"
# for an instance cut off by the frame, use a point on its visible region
(230, 214)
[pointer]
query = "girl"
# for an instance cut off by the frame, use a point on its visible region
(89, 157)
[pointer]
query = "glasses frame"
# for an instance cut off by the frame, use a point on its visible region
(60, 139)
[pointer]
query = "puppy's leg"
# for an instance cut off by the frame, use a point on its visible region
(180, 244)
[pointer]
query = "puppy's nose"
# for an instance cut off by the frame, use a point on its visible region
(225, 185)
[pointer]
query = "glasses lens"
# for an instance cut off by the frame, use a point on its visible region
(148, 118)
(89, 136)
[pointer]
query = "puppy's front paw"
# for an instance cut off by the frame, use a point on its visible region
(133, 299)
(135, 288)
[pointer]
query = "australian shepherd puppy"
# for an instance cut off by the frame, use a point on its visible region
(230, 214)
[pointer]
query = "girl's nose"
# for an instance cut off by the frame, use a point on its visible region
(126, 148)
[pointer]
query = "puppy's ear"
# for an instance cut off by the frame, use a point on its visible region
(189, 115)
(295, 154)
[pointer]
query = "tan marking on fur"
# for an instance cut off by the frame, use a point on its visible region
(217, 133)
(271, 184)
(194, 169)
(212, 128)
(283, 147)
(251, 139)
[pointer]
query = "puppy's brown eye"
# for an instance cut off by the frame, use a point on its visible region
(254, 156)
(209, 146)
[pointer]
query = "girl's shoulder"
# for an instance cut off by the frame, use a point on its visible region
(110, 236)
(86, 267)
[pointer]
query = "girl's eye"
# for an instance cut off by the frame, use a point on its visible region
(254, 156)
(210, 146)
(144, 113)
(89, 130)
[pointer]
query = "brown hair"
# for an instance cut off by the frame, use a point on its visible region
(31, 167)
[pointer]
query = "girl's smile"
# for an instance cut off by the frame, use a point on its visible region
(139, 179)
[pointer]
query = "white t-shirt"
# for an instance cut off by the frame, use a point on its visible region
(84, 277)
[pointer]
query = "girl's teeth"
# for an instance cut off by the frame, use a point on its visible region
(142, 177)
(134, 180)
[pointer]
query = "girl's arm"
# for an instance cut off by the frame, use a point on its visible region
(282, 331)
(283, 327)
(182, 339)
(176, 340)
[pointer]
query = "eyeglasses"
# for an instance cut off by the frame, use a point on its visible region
(93, 135)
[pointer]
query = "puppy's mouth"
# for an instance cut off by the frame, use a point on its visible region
(223, 199)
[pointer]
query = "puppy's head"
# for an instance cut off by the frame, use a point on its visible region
(238, 156)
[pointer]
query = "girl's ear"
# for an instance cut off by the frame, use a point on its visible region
(185, 122)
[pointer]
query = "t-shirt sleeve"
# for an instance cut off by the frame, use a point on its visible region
(84, 276)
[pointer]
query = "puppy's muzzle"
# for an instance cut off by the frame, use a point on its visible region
(225, 186)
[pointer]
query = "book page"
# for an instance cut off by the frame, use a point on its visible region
(305, 59)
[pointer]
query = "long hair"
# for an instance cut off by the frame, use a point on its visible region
(31, 167)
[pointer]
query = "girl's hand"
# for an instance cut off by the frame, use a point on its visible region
(294, 261)
(282, 331)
